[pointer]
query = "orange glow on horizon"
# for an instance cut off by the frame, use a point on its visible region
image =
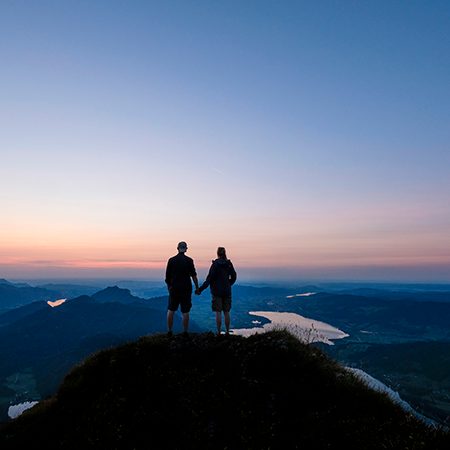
(319, 241)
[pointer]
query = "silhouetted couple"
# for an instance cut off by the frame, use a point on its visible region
(221, 276)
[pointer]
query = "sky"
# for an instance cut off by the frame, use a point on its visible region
(310, 138)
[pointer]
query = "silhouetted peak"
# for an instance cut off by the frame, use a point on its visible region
(81, 299)
(114, 294)
(266, 391)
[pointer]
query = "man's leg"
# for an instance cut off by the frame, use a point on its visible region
(227, 320)
(170, 320)
(185, 322)
(186, 305)
(219, 321)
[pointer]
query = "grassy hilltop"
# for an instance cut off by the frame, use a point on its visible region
(268, 391)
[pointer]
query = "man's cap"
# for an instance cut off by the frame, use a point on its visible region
(182, 246)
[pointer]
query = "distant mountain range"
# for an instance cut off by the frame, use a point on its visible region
(401, 294)
(116, 294)
(419, 371)
(13, 295)
(12, 315)
(377, 319)
(40, 343)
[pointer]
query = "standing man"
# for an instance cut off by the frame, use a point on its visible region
(221, 277)
(180, 269)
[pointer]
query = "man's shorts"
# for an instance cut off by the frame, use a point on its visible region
(221, 303)
(180, 300)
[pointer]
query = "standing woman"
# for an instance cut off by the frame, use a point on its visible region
(220, 278)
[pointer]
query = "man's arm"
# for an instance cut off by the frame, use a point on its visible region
(195, 280)
(194, 274)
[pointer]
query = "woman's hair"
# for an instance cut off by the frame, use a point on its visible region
(221, 253)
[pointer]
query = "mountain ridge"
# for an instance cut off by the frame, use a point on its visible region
(204, 391)
(42, 343)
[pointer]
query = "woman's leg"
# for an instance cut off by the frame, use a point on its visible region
(226, 314)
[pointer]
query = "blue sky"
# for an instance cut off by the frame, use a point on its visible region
(311, 138)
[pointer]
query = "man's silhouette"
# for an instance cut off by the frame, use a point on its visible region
(180, 269)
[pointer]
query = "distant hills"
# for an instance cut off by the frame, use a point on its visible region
(115, 294)
(419, 371)
(267, 391)
(70, 290)
(41, 343)
(13, 295)
(378, 319)
(12, 315)
(401, 294)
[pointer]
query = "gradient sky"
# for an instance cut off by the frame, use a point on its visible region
(310, 138)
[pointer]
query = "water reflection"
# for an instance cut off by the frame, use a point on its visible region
(57, 302)
(305, 329)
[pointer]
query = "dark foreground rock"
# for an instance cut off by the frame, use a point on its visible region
(268, 391)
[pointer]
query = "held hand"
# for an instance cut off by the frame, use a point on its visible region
(198, 291)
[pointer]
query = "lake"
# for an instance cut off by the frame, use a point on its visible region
(305, 329)
(16, 410)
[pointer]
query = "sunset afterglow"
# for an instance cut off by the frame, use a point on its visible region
(316, 151)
